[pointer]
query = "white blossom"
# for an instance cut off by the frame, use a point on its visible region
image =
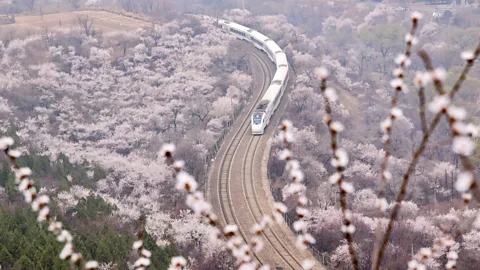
(337, 126)
(308, 264)
(280, 207)
(387, 175)
(468, 55)
(297, 175)
(439, 103)
(230, 229)
(334, 178)
(302, 200)
(14, 153)
(456, 113)
(341, 158)
(6, 142)
(467, 197)
(64, 236)
(463, 145)
(398, 72)
(302, 212)
(66, 251)
(43, 214)
(178, 164)
(396, 112)
(137, 245)
(416, 15)
(464, 182)
(412, 264)
(178, 261)
(460, 128)
(347, 187)
(386, 124)
(186, 182)
(285, 154)
(331, 94)
(90, 265)
(257, 243)
(292, 165)
(450, 264)
(350, 229)
(382, 204)
(472, 130)
(287, 125)
(425, 253)
(321, 72)
(286, 137)
(398, 84)
(422, 79)
(54, 227)
(452, 255)
(142, 262)
(439, 74)
(299, 225)
(23, 172)
(146, 253)
(411, 39)
(403, 60)
(167, 150)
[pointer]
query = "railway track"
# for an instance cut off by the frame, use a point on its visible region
(235, 190)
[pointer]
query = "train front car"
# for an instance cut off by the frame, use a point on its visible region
(259, 118)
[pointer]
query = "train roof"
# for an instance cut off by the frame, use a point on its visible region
(262, 106)
(237, 26)
(272, 92)
(257, 35)
(281, 59)
(280, 75)
(272, 46)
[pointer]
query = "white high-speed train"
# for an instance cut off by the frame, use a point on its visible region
(269, 103)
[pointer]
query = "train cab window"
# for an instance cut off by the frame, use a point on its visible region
(257, 118)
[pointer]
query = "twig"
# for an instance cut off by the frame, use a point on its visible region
(387, 125)
(144, 261)
(421, 109)
(441, 110)
(339, 161)
(39, 203)
(297, 187)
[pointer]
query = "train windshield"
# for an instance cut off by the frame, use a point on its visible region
(257, 118)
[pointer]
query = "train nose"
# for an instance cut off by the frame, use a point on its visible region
(257, 129)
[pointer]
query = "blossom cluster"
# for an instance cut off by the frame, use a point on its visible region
(441, 245)
(144, 261)
(39, 204)
(339, 162)
(398, 84)
(241, 251)
(295, 174)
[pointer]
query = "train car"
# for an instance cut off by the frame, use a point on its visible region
(281, 58)
(272, 48)
(270, 101)
(257, 39)
(265, 109)
(238, 30)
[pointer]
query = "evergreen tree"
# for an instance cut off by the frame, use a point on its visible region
(24, 263)
(6, 259)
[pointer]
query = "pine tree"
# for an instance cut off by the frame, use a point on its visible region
(24, 263)
(6, 259)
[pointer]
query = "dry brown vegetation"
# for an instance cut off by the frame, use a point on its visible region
(102, 20)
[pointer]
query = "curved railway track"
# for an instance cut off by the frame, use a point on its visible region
(235, 189)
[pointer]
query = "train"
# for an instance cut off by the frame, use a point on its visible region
(262, 114)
